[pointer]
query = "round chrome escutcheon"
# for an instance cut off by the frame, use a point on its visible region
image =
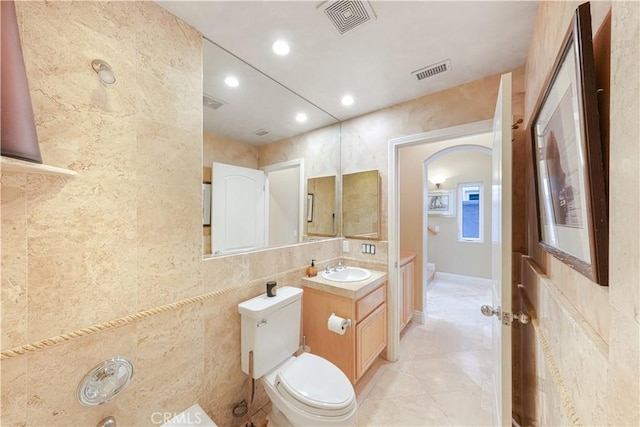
(105, 381)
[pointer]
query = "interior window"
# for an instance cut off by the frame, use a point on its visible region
(470, 218)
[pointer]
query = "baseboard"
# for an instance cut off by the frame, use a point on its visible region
(419, 317)
(431, 266)
(462, 279)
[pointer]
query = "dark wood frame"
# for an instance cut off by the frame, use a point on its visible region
(310, 201)
(579, 37)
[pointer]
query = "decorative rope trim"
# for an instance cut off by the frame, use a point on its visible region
(49, 342)
(556, 377)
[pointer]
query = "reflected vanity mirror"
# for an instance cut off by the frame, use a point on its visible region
(321, 206)
(251, 141)
(361, 205)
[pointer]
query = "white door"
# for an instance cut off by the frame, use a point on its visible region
(237, 208)
(501, 254)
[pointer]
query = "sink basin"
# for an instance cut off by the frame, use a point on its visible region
(347, 274)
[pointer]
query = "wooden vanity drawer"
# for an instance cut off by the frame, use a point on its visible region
(367, 304)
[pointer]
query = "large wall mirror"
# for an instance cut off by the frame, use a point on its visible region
(250, 132)
(321, 206)
(361, 205)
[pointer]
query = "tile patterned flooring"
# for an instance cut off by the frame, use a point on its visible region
(443, 376)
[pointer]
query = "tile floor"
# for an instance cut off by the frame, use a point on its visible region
(443, 376)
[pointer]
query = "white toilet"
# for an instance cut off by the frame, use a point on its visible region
(306, 390)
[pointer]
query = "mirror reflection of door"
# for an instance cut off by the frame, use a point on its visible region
(238, 209)
(361, 205)
(321, 206)
(284, 206)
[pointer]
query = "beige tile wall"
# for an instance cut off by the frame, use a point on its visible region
(219, 149)
(593, 332)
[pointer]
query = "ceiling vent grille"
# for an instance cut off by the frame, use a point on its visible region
(432, 70)
(348, 14)
(211, 102)
(261, 132)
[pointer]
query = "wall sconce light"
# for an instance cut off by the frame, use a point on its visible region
(437, 181)
(104, 71)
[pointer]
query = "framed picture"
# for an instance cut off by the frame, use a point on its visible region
(309, 207)
(441, 202)
(569, 174)
(206, 204)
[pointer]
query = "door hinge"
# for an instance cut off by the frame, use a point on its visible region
(508, 318)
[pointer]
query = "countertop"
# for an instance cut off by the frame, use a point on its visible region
(405, 257)
(353, 290)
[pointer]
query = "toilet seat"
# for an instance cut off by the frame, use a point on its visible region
(315, 386)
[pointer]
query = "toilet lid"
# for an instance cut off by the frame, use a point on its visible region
(316, 383)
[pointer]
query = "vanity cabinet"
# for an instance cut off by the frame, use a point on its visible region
(407, 274)
(356, 350)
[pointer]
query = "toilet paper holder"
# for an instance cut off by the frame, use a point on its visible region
(346, 323)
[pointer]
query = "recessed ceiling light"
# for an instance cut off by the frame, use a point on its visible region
(347, 100)
(280, 47)
(301, 117)
(231, 81)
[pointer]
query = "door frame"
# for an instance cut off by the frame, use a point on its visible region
(393, 233)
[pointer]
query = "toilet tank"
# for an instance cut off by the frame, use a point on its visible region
(270, 327)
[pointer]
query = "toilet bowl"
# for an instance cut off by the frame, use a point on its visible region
(310, 391)
(305, 390)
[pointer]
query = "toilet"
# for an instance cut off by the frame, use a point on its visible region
(305, 390)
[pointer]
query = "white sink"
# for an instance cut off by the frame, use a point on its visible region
(347, 274)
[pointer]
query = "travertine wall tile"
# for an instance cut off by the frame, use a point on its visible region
(13, 309)
(585, 370)
(624, 227)
(611, 312)
(14, 390)
(170, 362)
(170, 71)
(319, 148)
(84, 126)
(168, 230)
(54, 374)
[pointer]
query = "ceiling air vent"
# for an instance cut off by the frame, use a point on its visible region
(432, 70)
(261, 132)
(211, 102)
(348, 14)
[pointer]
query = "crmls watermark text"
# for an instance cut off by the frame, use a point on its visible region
(179, 419)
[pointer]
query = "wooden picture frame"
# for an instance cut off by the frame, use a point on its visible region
(568, 162)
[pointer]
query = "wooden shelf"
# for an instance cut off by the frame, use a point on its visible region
(15, 165)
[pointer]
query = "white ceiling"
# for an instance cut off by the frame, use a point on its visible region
(372, 62)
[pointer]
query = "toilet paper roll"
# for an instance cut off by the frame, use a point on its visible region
(338, 324)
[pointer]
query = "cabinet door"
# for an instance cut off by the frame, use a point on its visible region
(403, 294)
(371, 336)
(407, 280)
